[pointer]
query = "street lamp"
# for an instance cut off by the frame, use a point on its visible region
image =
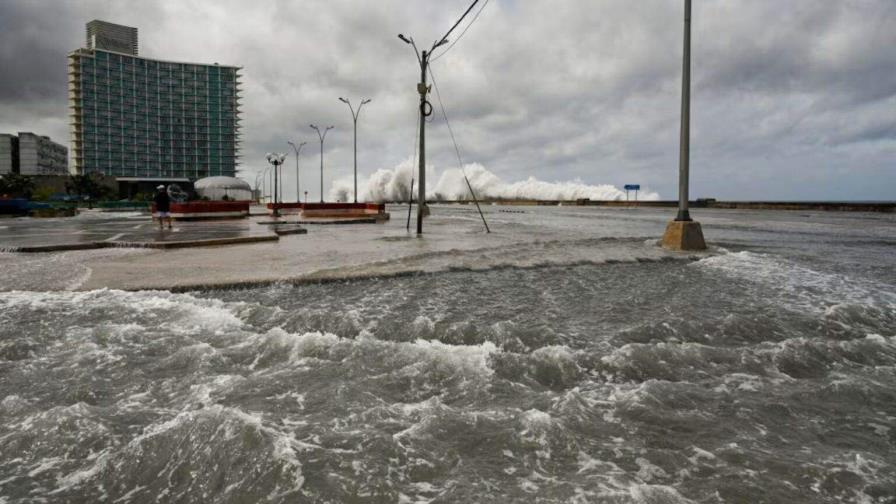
(298, 150)
(276, 159)
(425, 111)
(322, 137)
(684, 233)
(355, 119)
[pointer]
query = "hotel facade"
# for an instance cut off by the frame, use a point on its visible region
(144, 120)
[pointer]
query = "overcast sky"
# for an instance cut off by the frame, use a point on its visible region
(792, 99)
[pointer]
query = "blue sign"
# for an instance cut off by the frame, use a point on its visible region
(632, 187)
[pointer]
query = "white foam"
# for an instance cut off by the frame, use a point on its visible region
(393, 184)
(804, 288)
(657, 494)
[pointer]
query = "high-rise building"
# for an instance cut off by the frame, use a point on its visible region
(30, 154)
(142, 119)
(111, 37)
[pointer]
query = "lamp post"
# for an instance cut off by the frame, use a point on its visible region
(298, 150)
(355, 119)
(683, 233)
(276, 159)
(322, 137)
(426, 110)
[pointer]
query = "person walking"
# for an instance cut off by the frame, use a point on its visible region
(163, 206)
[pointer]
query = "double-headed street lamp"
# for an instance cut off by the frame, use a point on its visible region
(322, 136)
(298, 150)
(355, 119)
(276, 159)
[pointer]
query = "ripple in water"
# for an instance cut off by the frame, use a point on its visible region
(738, 378)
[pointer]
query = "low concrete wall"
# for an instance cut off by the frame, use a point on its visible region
(836, 206)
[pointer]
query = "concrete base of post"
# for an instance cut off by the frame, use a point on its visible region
(684, 235)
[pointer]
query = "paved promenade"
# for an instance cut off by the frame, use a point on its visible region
(104, 229)
(120, 251)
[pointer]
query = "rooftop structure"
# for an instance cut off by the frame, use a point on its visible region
(111, 37)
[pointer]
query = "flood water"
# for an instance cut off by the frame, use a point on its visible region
(583, 365)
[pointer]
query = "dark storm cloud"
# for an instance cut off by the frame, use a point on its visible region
(32, 62)
(556, 90)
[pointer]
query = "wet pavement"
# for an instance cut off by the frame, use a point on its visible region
(454, 237)
(102, 229)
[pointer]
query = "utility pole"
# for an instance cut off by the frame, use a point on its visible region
(322, 137)
(297, 150)
(355, 119)
(426, 111)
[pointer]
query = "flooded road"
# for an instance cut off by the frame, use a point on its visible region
(564, 358)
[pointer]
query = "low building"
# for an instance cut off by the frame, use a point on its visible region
(30, 154)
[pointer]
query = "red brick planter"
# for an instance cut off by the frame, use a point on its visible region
(333, 210)
(208, 209)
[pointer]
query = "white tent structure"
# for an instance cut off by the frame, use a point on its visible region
(216, 188)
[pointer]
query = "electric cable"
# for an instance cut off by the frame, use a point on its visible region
(461, 33)
(413, 162)
(457, 149)
(443, 39)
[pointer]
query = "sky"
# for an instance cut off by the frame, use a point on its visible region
(791, 100)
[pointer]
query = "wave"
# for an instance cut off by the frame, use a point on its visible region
(395, 185)
(799, 286)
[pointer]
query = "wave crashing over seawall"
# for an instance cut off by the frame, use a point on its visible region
(395, 184)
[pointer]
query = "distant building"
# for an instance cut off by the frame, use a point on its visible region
(9, 153)
(30, 154)
(111, 37)
(140, 119)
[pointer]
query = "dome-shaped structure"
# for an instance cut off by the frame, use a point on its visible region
(216, 188)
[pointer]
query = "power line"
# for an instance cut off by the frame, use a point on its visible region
(414, 159)
(461, 33)
(457, 149)
(445, 38)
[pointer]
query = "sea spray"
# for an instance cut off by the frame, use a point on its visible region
(395, 185)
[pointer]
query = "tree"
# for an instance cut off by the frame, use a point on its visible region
(14, 184)
(85, 185)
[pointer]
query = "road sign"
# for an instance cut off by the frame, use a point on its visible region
(632, 187)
